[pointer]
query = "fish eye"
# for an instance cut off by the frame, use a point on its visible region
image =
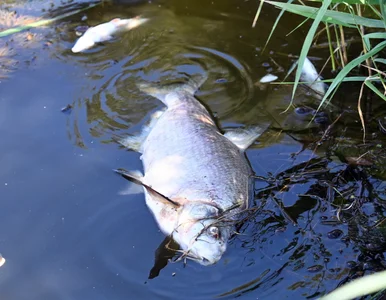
(214, 231)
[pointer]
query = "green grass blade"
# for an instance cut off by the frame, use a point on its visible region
(351, 65)
(331, 16)
(351, 2)
(382, 5)
(43, 22)
(257, 13)
(275, 25)
(374, 35)
(380, 60)
(375, 90)
(359, 287)
(307, 43)
(346, 79)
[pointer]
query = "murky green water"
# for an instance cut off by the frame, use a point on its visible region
(67, 233)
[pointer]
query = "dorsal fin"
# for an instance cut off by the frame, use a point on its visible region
(138, 180)
(244, 137)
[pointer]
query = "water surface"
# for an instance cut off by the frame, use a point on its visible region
(68, 233)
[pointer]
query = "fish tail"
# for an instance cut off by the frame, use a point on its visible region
(161, 91)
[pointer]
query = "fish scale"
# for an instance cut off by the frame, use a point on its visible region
(211, 167)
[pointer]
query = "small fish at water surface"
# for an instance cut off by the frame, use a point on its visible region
(197, 181)
(104, 32)
(268, 78)
(67, 108)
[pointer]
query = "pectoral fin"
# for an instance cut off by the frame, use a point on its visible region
(138, 180)
(244, 137)
(132, 188)
(135, 142)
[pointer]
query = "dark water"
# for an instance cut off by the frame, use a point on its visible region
(67, 233)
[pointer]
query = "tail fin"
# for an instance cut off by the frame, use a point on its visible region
(160, 92)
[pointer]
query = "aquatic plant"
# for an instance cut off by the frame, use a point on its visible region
(359, 287)
(340, 17)
(42, 22)
(335, 19)
(15, 34)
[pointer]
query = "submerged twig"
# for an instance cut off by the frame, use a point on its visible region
(326, 132)
(284, 213)
(360, 112)
(343, 45)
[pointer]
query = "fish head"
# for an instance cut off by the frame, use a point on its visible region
(200, 234)
(83, 43)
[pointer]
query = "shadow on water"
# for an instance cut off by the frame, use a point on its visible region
(67, 233)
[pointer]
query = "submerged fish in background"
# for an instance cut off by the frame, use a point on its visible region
(104, 32)
(197, 180)
(309, 77)
(312, 79)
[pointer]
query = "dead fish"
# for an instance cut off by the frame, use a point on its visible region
(312, 79)
(104, 32)
(197, 181)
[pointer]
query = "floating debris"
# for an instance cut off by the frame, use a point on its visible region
(358, 161)
(30, 36)
(268, 78)
(67, 108)
(335, 234)
(221, 80)
(315, 269)
(80, 30)
(2, 260)
(351, 264)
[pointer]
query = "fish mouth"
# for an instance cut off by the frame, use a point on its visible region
(204, 261)
(199, 259)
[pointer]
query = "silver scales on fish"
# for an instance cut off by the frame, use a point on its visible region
(197, 181)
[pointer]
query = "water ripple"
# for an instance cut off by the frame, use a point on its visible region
(117, 105)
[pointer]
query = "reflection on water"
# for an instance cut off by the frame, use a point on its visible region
(167, 50)
(68, 234)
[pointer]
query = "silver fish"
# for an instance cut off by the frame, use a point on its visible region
(104, 32)
(311, 78)
(197, 180)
